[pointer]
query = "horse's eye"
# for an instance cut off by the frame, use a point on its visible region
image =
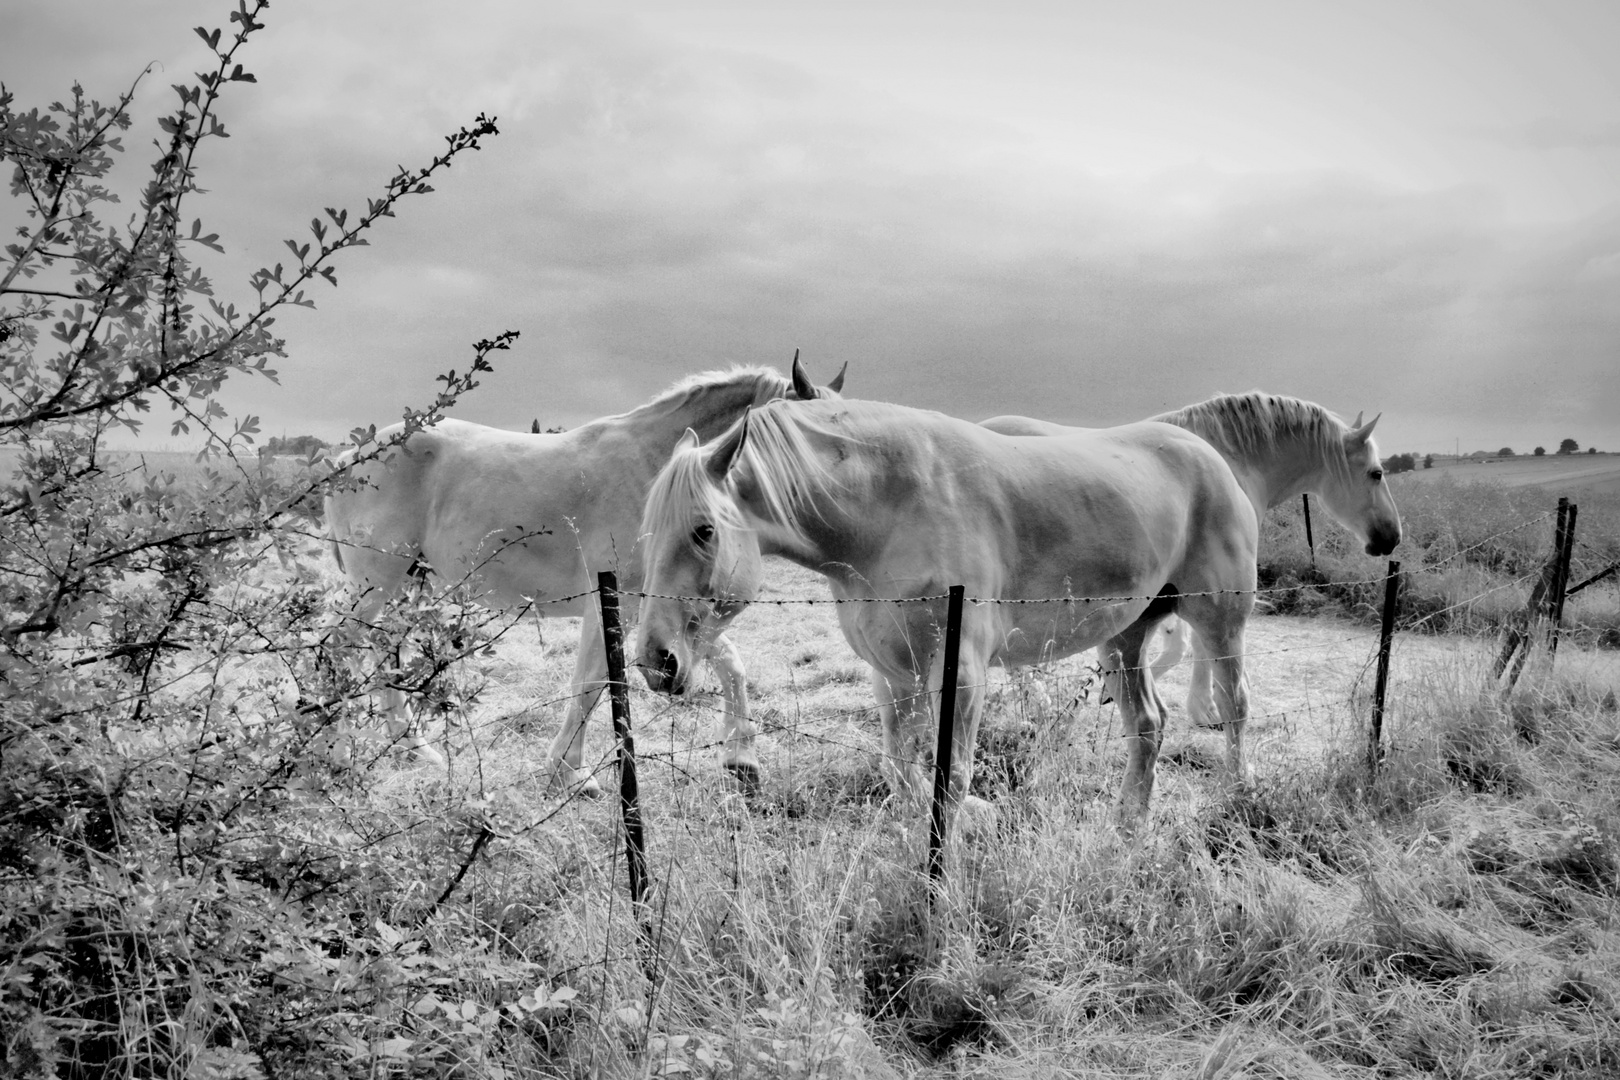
(1376, 475)
(702, 534)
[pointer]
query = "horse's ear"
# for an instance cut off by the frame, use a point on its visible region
(803, 388)
(726, 448)
(687, 441)
(837, 384)
(1361, 432)
(1357, 424)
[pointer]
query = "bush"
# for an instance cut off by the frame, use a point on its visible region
(185, 883)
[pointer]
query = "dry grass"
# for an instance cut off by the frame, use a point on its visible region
(1453, 917)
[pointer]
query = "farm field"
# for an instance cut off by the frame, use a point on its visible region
(1560, 474)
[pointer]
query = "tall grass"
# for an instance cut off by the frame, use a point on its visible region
(1470, 555)
(1452, 916)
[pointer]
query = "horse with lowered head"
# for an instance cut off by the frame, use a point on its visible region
(1278, 448)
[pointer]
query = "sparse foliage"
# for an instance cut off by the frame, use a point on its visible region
(177, 876)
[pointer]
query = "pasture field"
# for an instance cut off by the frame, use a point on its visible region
(1454, 917)
(1561, 474)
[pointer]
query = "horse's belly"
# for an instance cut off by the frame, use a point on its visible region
(1035, 633)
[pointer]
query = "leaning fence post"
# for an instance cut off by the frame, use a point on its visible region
(1561, 587)
(1386, 634)
(1540, 598)
(947, 724)
(635, 842)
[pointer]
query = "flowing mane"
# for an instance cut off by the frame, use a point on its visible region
(764, 384)
(776, 457)
(1256, 423)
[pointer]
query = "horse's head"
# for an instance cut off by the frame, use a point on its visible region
(701, 561)
(1360, 498)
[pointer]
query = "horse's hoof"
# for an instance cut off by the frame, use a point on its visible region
(978, 816)
(748, 776)
(424, 754)
(569, 781)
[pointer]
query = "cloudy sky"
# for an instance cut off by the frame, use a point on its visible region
(1083, 211)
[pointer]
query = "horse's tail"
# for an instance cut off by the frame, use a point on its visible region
(332, 540)
(331, 511)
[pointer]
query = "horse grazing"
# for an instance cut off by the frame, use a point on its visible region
(1278, 448)
(527, 517)
(1062, 543)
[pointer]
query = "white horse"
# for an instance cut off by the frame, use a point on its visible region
(1278, 448)
(1095, 535)
(529, 517)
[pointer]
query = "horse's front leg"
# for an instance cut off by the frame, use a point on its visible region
(899, 701)
(567, 753)
(970, 695)
(1201, 708)
(1143, 717)
(1231, 702)
(738, 757)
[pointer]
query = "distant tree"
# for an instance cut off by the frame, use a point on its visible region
(296, 445)
(1428, 461)
(1541, 451)
(536, 429)
(1591, 449)
(1568, 446)
(534, 426)
(1398, 463)
(1506, 451)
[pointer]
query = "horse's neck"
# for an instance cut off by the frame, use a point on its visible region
(1278, 473)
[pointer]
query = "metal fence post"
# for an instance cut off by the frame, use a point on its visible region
(635, 841)
(1386, 634)
(947, 724)
(1310, 541)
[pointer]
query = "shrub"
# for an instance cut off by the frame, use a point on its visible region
(184, 880)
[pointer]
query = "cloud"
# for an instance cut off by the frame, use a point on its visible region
(654, 207)
(1555, 133)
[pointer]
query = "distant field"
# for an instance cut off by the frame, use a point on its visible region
(1571, 473)
(182, 464)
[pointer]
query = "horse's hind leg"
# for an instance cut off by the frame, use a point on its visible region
(567, 752)
(738, 757)
(1143, 716)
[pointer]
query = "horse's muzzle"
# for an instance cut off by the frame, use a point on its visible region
(664, 674)
(1383, 541)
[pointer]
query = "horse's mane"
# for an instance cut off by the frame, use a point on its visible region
(776, 457)
(763, 381)
(785, 469)
(1246, 425)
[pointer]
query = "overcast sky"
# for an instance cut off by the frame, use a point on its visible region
(1087, 212)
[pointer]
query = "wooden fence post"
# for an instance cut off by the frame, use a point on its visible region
(635, 841)
(1386, 634)
(1539, 601)
(1310, 541)
(1561, 588)
(947, 725)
